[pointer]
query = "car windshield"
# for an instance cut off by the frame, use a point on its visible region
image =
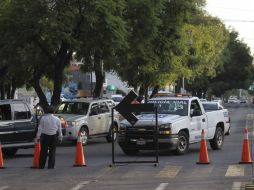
(176, 107)
(80, 108)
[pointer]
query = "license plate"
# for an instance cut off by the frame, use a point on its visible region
(141, 142)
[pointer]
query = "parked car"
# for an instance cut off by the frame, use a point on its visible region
(17, 126)
(243, 100)
(233, 100)
(180, 122)
(87, 116)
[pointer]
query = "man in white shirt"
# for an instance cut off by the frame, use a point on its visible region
(49, 131)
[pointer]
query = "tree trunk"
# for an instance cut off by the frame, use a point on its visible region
(141, 90)
(178, 86)
(43, 100)
(63, 58)
(8, 91)
(13, 90)
(99, 84)
(99, 75)
(2, 92)
(155, 91)
(58, 80)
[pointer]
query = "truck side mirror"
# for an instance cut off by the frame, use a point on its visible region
(195, 113)
(191, 112)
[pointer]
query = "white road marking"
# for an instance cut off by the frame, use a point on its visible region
(169, 171)
(235, 170)
(4, 187)
(162, 186)
(80, 185)
(236, 186)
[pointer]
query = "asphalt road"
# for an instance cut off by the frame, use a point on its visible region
(173, 172)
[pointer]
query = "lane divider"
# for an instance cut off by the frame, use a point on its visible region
(4, 187)
(82, 184)
(236, 186)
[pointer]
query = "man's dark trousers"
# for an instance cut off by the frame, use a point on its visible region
(48, 145)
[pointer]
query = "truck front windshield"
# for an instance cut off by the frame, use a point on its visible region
(175, 107)
(80, 108)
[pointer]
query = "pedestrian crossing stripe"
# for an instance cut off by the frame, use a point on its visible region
(235, 170)
(236, 185)
(169, 171)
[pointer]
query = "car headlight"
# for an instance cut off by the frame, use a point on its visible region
(72, 123)
(165, 129)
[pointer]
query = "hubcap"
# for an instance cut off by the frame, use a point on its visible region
(182, 143)
(219, 138)
(114, 135)
(83, 135)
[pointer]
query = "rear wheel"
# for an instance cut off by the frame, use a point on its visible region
(10, 151)
(217, 142)
(109, 136)
(182, 144)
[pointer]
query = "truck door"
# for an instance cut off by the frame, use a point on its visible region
(24, 125)
(198, 121)
(6, 124)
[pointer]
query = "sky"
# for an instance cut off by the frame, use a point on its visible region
(236, 14)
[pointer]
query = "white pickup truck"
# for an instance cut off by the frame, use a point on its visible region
(180, 122)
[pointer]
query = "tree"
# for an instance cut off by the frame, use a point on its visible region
(104, 37)
(52, 30)
(237, 69)
(138, 63)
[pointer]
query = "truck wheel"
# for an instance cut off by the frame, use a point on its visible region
(183, 143)
(130, 151)
(10, 151)
(217, 142)
(84, 135)
(108, 137)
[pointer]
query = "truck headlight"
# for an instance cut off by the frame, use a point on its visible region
(122, 127)
(165, 129)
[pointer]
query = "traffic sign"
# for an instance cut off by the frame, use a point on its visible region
(127, 109)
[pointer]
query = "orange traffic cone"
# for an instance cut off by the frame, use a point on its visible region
(1, 158)
(203, 154)
(37, 149)
(246, 157)
(79, 160)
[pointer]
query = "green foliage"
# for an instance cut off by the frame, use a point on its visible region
(237, 70)
(148, 43)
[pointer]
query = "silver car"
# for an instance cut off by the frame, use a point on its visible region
(87, 117)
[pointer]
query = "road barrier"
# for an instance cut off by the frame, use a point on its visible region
(203, 154)
(79, 159)
(246, 156)
(1, 158)
(37, 149)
